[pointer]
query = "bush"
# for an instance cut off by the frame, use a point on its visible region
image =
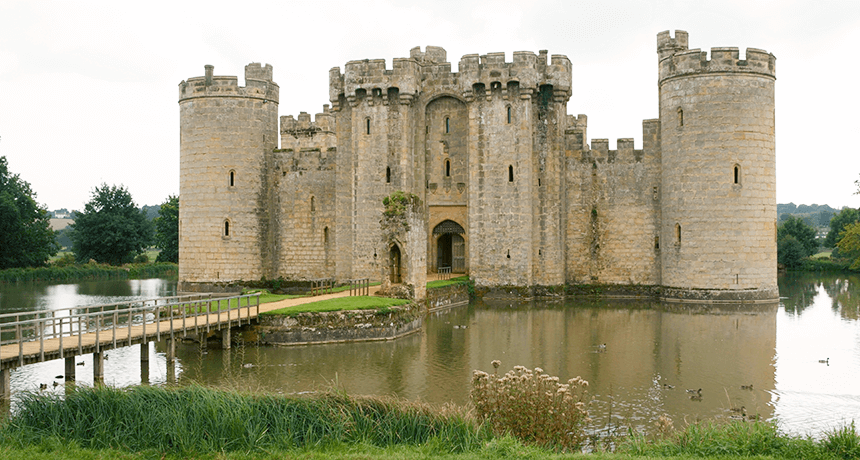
(141, 259)
(532, 406)
(64, 260)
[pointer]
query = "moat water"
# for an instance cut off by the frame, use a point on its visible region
(774, 349)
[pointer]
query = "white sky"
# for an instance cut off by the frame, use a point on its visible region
(88, 90)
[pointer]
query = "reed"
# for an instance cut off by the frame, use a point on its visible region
(199, 420)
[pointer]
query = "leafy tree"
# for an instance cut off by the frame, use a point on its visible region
(838, 223)
(824, 217)
(790, 251)
(801, 231)
(167, 230)
(26, 238)
(111, 229)
(849, 244)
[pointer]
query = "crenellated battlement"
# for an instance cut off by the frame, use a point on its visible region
(675, 59)
(408, 76)
(302, 126)
(258, 85)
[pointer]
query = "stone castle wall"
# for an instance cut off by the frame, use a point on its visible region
(719, 192)
(227, 132)
(492, 149)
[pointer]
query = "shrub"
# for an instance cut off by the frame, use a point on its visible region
(532, 406)
(66, 259)
(141, 259)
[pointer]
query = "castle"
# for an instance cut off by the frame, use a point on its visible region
(503, 183)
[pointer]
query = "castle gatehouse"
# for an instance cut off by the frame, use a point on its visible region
(500, 180)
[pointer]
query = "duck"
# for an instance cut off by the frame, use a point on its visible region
(43, 386)
(56, 384)
(696, 392)
(81, 363)
(668, 387)
(824, 361)
(696, 397)
(739, 410)
(747, 387)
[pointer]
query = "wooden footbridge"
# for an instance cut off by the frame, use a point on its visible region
(43, 335)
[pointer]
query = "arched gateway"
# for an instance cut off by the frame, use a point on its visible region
(450, 246)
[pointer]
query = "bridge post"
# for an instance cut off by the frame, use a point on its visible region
(5, 385)
(225, 338)
(144, 363)
(70, 369)
(98, 368)
(171, 359)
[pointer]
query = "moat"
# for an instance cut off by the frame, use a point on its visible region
(653, 353)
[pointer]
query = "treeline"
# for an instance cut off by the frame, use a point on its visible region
(797, 243)
(88, 272)
(110, 231)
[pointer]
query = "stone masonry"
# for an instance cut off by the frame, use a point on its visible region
(510, 190)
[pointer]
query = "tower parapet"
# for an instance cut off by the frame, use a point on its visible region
(528, 71)
(258, 85)
(677, 60)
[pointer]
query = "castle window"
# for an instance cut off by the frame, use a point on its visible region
(447, 168)
(447, 125)
(313, 208)
(510, 173)
(367, 123)
(737, 169)
(509, 114)
(226, 228)
(325, 236)
(677, 234)
(657, 242)
(232, 178)
(680, 117)
(388, 175)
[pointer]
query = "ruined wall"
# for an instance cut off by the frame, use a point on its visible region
(227, 133)
(719, 192)
(613, 209)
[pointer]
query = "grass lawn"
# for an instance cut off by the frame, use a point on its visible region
(443, 283)
(821, 254)
(341, 303)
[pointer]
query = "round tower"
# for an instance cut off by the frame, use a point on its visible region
(718, 172)
(227, 134)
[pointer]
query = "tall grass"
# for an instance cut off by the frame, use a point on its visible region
(744, 439)
(199, 420)
(87, 272)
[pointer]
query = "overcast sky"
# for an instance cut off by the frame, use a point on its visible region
(88, 90)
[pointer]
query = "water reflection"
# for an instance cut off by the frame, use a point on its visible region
(653, 353)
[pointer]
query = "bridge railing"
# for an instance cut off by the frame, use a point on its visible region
(360, 286)
(122, 322)
(322, 286)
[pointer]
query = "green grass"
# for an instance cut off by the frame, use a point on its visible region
(338, 304)
(450, 282)
(167, 423)
(821, 255)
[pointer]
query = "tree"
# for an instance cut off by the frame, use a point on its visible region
(802, 232)
(26, 238)
(838, 223)
(111, 229)
(789, 251)
(167, 230)
(849, 244)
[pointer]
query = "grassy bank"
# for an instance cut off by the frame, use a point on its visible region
(450, 282)
(340, 303)
(148, 422)
(88, 272)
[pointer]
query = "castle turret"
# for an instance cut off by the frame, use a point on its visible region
(227, 134)
(718, 172)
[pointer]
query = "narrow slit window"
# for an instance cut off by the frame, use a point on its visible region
(388, 175)
(226, 228)
(367, 124)
(510, 173)
(447, 125)
(447, 168)
(325, 236)
(509, 114)
(678, 234)
(680, 116)
(313, 206)
(232, 178)
(737, 169)
(657, 242)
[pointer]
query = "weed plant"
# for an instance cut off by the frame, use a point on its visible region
(198, 420)
(532, 406)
